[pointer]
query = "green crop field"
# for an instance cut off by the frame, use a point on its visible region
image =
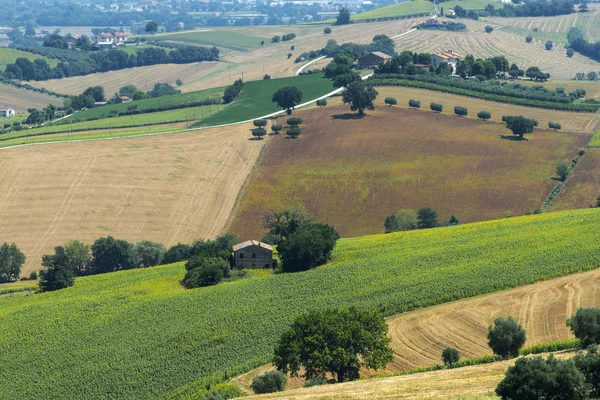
(126, 121)
(139, 334)
(221, 38)
(255, 98)
(8, 56)
(174, 100)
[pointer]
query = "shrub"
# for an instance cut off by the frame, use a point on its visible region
(427, 218)
(179, 82)
(529, 39)
(266, 77)
(549, 45)
(204, 272)
(269, 382)
(276, 128)
(404, 220)
(414, 103)
(327, 31)
(484, 115)
(506, 337)
(322, 103)
(308, 247)
(437, 107)
(585, 325)
(450, 356)
(276, 39)
(489, 29)
(570, 52)
(391, 101)
(462, 111)
(554, 125)
(33, 276)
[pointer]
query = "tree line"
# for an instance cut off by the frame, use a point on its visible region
(578, 43)
(101, 61)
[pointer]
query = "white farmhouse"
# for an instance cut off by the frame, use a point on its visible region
(449, 56)
(6, 111)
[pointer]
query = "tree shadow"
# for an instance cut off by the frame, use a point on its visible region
(514, 138)
(255, 138)
(348, 116)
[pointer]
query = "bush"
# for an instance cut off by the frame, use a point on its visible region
(204, 272)
(506, 337)
(549, 45)
(233, 91)
(327, 31)
(589, 365)
(562, 170)
(308, 247)
(529, 39)
(462, 111)
(450, 356)
(538, 378)
(276, 39)
(437, 107)
(33, 276)
(554, 125)
(427, 218)
(269, 382)
(484, 115)
(322, 103)
(585, 325)
(404, 220)
(391, 101)
(414, 103)
(489, 29)
(315, 382)
(266, 77)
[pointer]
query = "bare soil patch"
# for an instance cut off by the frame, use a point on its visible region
(352, 173)
(172, 188)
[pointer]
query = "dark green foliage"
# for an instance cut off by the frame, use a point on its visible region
(269, 382)
(427, 218)
(293, 132)
(404, 220)
(343, 17)
(110, 254)
(322, 103)
(339, 342)
(519, 125)
(294, 122)
(589, 365)
(163, 89)
(578, 42)
(276, 128)
(489, 29)
(414, 103)
(346, 79)
(202, 271)
(450, 356)
(327, 31)
(148, 254)
(462, 111)
(56, 41)
(79, 257)
(506, 337)
(288, 36)
(57, 273)
(529, 39)
(276, 39)
(554, 125)
(315, 382)
(570, 52)
(33, 276)
(266, 77)
(128, 90)
(259, 123)
(233, 91)
(452, 221)
(437, 107)
(538, 378)
(287, 98)
(537, 74)
(259, 132)
(484, 115)
(562, 170)
(176, 253)
(307, 247)
(391, 101)
(151, 27)
(11, 261)
(360, 97)
(179, 82)
(283, 223)
(549, 45)
(585, 325)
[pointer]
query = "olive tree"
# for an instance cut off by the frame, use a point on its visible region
(437, 107)
(506, 337)
(414, 103)
(450, 356)
(585, 325)
(484, 115)
(562, 170)
(391, 101)
(276, 128)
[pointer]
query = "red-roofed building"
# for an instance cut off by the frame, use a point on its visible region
(449, 56)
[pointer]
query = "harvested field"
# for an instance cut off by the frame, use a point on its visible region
(163, 188)
(571, 121)
(352, 173)
(583, 186)
(500, 42)
(21, 99)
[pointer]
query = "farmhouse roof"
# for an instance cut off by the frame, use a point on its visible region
(382, 55)
(122, 34)
(106, 34)
(249, 243)
(124, 98)
(5, 108)
(448, 54)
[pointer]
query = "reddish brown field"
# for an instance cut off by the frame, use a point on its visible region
(352, 173)
(583, 187)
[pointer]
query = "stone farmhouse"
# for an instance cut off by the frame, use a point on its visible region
(6, 111)
(253, 254)
(450, 57)
(372, 60)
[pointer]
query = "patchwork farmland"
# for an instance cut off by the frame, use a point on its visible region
(352, 173)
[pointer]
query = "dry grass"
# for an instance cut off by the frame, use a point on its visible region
(583, 187)
(571, 121)
(165, 188)
(353, 173)
(21, 99)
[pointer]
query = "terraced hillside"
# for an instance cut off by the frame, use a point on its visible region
(123, 326)
(353, 173)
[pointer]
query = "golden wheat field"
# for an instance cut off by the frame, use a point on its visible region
(168, 188)
(21, 99)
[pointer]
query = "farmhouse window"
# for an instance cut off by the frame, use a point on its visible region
(253, 255)
(241, 255)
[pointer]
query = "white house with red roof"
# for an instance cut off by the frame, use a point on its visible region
(449, 56)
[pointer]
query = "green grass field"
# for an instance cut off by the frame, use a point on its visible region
(175, 100)
(422, 6)
(220, 38)
(10, 120)
(138, 334)
(255, 98)
(595, 141)
(8, 56)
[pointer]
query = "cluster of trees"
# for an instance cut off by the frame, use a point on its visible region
(293, 128)
(578, 43)
(382, 43)
(444, 26)
(102, 61)
(533, 9)
(590, 76)
(551, 378)
(302, 242)
(407, 220)
(233, 91)
(209, 260)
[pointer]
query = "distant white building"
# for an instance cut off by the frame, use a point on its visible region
(449, 56)
(6, 111)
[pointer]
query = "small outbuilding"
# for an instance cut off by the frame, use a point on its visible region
(122, 99)
(372, 60)
(6, 111)
(253, 254)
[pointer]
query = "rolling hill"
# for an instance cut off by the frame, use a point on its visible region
(138, 333)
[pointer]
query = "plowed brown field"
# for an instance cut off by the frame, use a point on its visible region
(352, 173)
(164, 188)
(583, 186)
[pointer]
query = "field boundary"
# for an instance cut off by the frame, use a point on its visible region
(309, 63)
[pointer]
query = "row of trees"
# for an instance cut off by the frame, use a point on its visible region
(407, 220)
(102, 61)
(578, 43)
(292, 129)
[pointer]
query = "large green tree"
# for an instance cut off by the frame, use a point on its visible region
(308, 247)
(506, 337)
(287, 98)
(360, 97)
(79, 256)
(151, 27)
(110, 254)
(343, 17)
(148, 253)
(427, 218)
(339, 342)
(519, 125)
(57, 273)
(585, 325)
(11, 261)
